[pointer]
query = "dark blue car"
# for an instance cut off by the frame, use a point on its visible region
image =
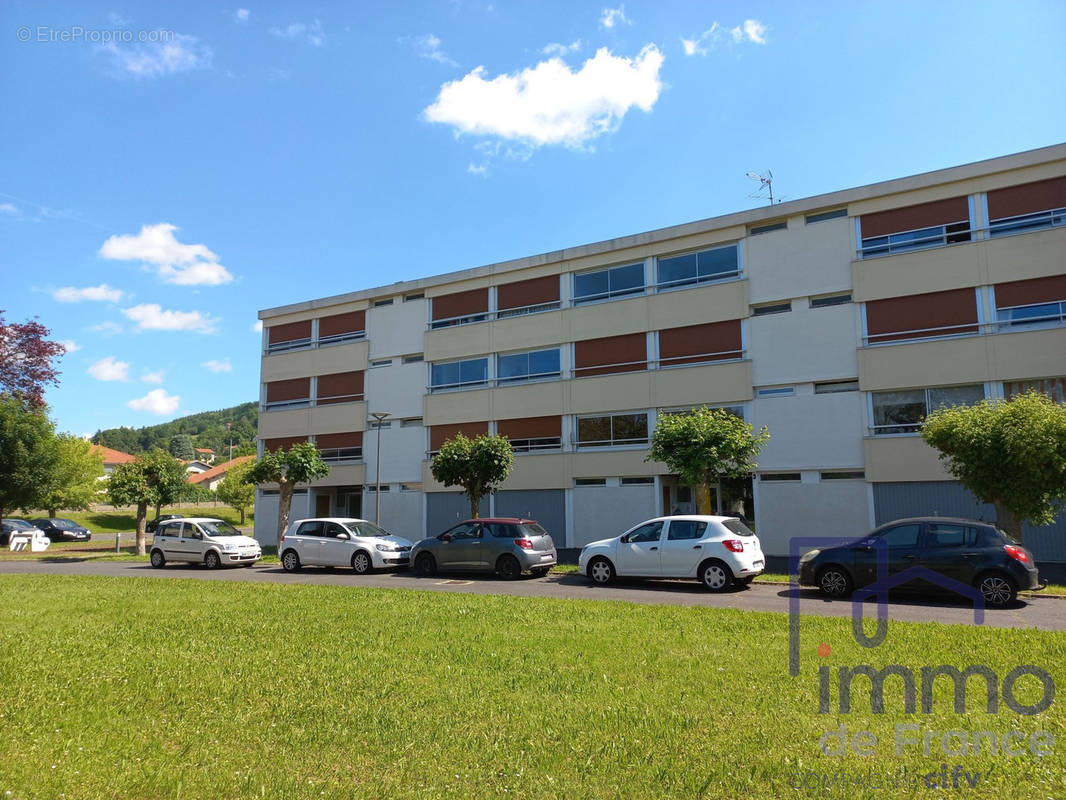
(966, 551)
(63, 530)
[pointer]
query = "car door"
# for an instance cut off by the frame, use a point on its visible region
(460, 547)
(167, 538)
(950, 549)
(307, 541)
(899, 545)
(335, 552)
(192, 542)
(682, 549)
(638, 551)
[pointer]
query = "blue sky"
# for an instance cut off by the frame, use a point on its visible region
(155, 195)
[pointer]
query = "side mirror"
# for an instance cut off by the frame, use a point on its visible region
(343, 536)
(445, 537)
(626, 539)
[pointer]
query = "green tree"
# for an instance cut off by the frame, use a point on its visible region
(478, 465)
(236, 490)
(29, 454)
(301, 463)
(75, 483)
(181, 447)
(154, 478)
(1010, 453)
(706, 446)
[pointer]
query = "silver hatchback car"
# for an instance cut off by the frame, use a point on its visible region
(507, 546)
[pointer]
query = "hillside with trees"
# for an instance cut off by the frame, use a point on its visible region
(206, 430)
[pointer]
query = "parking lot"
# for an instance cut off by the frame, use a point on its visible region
(1044, 613)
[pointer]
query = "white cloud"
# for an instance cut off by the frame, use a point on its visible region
(71, 294)
(751, 30)
(108, 328)
(174, 53)
(156, 401)
(9, 208)
(242, 14)
(70, 346)
(153, 377)
(610, 17)
(301, 31)
(151, 317)
(556, 49)
(428, 46)
(550, 103)
(108, 369)
(183, 264)
(257, 326)
(218, 366)
(478, 169)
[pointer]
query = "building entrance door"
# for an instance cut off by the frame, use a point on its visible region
(322, 505)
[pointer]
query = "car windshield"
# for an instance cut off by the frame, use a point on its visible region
(737, 527)
(64, 524)
(219, 528)
(366, 529)
(17, 524)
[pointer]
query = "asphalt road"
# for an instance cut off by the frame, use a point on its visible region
(1045, 613)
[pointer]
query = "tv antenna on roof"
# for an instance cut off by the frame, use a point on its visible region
(765, 182)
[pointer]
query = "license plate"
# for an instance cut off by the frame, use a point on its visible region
(757, 563)
(547, 558)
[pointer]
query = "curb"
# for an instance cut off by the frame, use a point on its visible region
(1033, 595)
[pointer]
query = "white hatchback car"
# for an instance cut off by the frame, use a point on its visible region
(342, 542)
(719, 551)
(203, 540)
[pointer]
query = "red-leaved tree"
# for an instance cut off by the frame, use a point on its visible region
(26, 357)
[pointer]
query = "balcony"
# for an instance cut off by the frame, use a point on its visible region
(347, 356)
(334, 418)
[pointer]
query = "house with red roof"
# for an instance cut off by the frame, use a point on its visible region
(213, 477)
(112, 458)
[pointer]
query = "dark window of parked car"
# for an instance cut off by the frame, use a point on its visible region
(191, 531)
(645, 533)
(309, 529)
(901, 536)
(468, 530)
(946, 535)
(737, 527)
(168, 530)
(501, 531)
(533, 529)
(332, 530)
(686, 529)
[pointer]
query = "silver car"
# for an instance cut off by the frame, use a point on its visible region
(507, 546)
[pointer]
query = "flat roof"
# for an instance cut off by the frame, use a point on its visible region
(747, 217)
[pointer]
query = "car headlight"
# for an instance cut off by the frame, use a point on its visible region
(809, 556)
(388, 548)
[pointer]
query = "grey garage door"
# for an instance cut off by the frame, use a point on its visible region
(949, 499)
(546, 506)
(447, 509)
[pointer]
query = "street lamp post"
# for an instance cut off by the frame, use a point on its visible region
(379, 416)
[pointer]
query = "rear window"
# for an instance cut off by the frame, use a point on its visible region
(309, 529)
(1007, 537)
(533, 529)
(737, 527)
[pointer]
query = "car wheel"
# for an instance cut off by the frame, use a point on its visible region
(290, 562)
(508, 568)
(745, 581)
(362, 563)
(425, 565)
(211, 560)
(834, 582)
(997, 589)
(716, 576)
(540, 573)
(600, 571)
(157, 559)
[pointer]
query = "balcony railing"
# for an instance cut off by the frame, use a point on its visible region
(307, 402)
(308, 342)
(341, 455)
(1023, 223)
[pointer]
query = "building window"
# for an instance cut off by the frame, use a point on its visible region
(771, 308)
(904, 411)
(411, 422)
(338, 448)
(637, 481)
(527, 297)
(701, 344)
(381, 362)
(1038, 302)
(612, 430)
(532, 434)
(822, 216)
(407, 298)
(590, 481)
(439, 434)
(843, 475)
(410, 487)
(413, 359)
(915, 227)
(469, 374)
(605, 284)
(694, 268)
(372, 488)
(1029, 207)
(293, 336)
(832, 387)
(340, 387)
(831, 300)
(284, 443)
(533, 365)
(611, 354)
(776, 391)
(779, 477)
(380, 303)
(459, 308)
(1055, 388)
(341, 328)
(294, 393)
(921, 316)
(755, 230)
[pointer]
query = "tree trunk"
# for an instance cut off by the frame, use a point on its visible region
(475, 501)
(703, 498)
(142, 520)
(242, 515)
(52, 513)
(157, 508)
(1008, 520)
(284, 506)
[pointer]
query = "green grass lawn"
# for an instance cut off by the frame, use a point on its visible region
(112, 522)
(171, 688)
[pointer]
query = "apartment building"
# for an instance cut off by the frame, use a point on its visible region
(836, 321)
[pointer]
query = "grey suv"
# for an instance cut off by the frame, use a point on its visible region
(507, 546)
